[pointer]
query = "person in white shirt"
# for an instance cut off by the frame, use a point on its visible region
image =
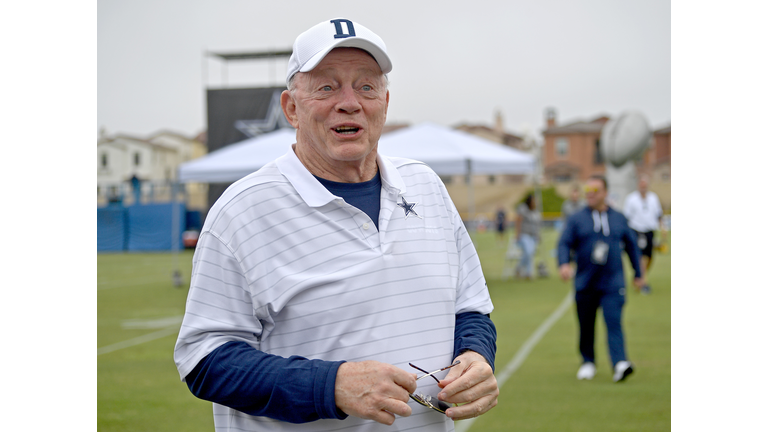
(322, 282)
(642, 209)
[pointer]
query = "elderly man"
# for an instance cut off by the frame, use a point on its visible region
(323, 281)
(643, 211)
(596, 234)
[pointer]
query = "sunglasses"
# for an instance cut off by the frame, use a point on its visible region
(429, 401)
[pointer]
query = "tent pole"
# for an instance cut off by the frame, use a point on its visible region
(470, 194)
(175, 234)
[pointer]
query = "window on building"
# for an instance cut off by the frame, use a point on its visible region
(562, 178)
(137, 159)
(561, 147)
(104, 160)
(598, 160)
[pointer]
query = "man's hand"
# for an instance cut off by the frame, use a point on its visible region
(374, 390)
(472, 384)
(639, 282)
(566, 271)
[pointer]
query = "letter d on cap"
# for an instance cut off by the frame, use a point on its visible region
(339, 32)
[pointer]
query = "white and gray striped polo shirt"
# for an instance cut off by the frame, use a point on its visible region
(291, 269)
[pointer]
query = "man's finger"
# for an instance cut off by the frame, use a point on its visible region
(471, 393)
(454, 373)
(398, 407)
(475, 374)
(407, 381)
(473, 409)
(384, 417)
(458, 385)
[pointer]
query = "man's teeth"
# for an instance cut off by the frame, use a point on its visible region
(346, 129)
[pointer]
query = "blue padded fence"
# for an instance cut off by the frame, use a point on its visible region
(110, 225)
(140, 227)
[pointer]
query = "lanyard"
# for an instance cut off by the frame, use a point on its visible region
(601, 220)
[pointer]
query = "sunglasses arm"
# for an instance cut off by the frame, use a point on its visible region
(439, 370)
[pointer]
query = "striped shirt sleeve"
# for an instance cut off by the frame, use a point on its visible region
(219, 307)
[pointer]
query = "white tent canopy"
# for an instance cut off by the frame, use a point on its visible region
(236, 161)
(453, 152)
(445, 150)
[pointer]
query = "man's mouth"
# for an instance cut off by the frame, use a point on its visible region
(346, 130)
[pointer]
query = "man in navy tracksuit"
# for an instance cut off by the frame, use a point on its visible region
(597, 234)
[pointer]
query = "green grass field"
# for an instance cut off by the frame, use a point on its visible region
(139, 388)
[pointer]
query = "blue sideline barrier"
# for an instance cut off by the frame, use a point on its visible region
(140, 227)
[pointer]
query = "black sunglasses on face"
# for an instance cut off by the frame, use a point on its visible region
(429, 401)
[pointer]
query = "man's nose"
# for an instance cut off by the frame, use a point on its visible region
(348, 101)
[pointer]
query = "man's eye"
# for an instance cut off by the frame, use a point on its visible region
(327, 88)
(367, 88)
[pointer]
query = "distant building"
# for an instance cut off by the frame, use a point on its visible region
(572, 151)
(123, 160)
(571, 154)
(658, 158)
(495, 134)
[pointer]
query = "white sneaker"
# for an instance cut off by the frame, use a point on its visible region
(586, 371)
(622, 370)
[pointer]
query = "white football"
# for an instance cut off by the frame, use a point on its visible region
(625, 138)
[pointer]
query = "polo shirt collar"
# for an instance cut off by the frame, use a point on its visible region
(314, 193)
(390, 176)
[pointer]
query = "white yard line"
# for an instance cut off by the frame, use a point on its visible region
(149, 324)
(139, 340)
(523, 352)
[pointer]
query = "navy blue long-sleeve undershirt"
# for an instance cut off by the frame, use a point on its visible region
(296, 389)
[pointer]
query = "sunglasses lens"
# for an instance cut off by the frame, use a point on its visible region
(430, 402)
(420, 399)
(441, 406)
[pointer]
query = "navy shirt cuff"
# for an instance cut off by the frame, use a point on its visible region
(325, 391)
(475, 332)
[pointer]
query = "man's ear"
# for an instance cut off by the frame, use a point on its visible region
(289, 108)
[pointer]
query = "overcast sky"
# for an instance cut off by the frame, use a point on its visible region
(453, 61)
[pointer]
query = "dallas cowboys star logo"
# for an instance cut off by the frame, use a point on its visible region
(408, 208)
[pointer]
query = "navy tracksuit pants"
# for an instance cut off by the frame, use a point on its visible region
(588, 300)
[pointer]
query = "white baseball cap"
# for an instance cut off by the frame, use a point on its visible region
(314, 44)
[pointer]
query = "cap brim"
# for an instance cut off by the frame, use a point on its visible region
(380, 56)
